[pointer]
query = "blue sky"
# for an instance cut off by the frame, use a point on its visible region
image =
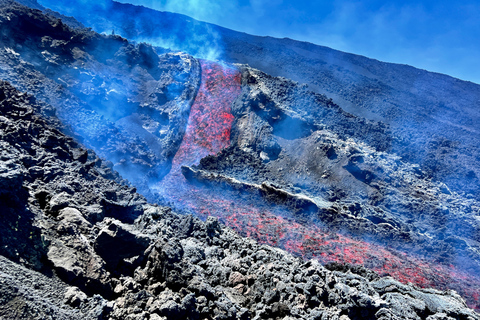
(441, 36)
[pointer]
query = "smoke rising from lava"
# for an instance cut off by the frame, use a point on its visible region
(131, 22)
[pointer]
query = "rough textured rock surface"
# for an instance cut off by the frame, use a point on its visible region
(305, 143)
(301, 141)
(101, 252)
(124, 100)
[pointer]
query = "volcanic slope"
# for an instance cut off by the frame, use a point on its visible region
(388, 200)
(339, 194)
(328, 168)
(78, 243)
(434, 117)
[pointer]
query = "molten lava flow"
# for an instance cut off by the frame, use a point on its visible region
(208, 132)
(210, 120)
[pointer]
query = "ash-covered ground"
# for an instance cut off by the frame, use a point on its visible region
(269, 158)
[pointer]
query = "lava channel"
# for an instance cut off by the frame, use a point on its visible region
(208, 132)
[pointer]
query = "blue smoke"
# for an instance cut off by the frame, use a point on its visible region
(169, 31)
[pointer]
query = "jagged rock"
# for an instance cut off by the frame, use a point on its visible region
(72, 216)
(75, 297)
(117, 242)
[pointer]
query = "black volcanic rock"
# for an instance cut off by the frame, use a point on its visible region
(283, 135)
(109, 254)
(204, 271)
(290, 111)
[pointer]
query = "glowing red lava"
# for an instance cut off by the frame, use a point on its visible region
(208, 132)
(210, 120)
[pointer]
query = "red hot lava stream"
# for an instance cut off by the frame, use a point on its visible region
(208, 132)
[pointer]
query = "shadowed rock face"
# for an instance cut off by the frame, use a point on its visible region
(93, 263)
(293, 165)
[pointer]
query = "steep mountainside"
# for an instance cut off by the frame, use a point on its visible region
(210, 144)
(434, 117)
(109, 90)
